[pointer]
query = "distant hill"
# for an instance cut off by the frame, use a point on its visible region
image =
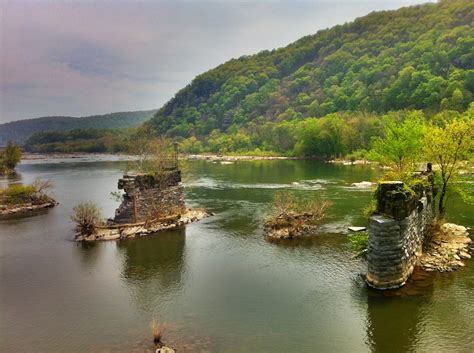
(419, 57)
(19, 131)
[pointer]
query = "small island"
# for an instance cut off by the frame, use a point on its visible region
(153, 200)
(25, 199)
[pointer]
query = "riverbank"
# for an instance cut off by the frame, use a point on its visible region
(126, 157)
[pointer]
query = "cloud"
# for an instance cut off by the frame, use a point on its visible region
(82, 58)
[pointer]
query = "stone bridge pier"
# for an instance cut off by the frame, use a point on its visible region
(397, 230)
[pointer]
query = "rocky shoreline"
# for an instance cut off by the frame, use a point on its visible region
(123, 231)
(447, 249)
(13, 210)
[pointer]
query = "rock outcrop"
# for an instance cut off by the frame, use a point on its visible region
(447, 249)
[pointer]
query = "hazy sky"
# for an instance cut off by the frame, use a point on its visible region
(92, 57)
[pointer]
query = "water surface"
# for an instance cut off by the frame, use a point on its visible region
(217, 284)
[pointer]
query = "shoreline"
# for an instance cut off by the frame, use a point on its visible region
(14, 210)
(32, 157)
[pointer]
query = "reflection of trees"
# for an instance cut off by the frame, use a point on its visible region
(89, 252)
(157, 257)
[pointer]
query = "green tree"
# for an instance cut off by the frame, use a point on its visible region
(448, 146)
(10, 156)
(402, 143)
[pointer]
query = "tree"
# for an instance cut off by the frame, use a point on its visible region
(10, 156)
(402, 143)
(448, 146)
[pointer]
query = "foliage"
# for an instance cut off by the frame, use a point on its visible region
(18, 194)
(401, 144)
(155, 155)
(117, 196)
(286, 202)
(293, 216)
(371, 208)
(79, 140)
(87, 216)
(447, 146)
(10, 156)
(359, 243)
(416, 58)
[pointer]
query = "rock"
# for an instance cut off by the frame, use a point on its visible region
(363, 184)
(165, 350)
(357, 229)
(464, 255)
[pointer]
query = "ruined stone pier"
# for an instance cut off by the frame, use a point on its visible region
(148, 196)
(397, 230)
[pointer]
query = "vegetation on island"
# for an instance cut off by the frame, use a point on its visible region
(294, 215)
(86, 217)
(18, 195)
(10, 156)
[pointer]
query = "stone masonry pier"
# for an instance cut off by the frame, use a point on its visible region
(148, 197)
(397, 230)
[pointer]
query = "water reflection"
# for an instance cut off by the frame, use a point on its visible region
(159, 257)
(395, 318)
(89, 253)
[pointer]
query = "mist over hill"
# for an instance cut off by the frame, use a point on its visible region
(19, 131)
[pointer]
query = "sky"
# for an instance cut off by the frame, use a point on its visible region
(80, 58)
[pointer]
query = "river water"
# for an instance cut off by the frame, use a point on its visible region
(217, 284)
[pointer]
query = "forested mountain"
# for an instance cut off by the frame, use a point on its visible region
(415, 58)
(19, 131)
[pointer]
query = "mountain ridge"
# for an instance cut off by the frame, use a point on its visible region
(417, 57)
(20, 130)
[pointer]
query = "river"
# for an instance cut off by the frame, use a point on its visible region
(217, 284)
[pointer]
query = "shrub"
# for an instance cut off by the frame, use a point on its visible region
(87, 217)
(359, 243)
(294, 216)
(17, 194)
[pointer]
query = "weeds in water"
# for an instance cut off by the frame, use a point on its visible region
(359, 243)
(157, 331)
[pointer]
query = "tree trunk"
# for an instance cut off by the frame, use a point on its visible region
(441, 207)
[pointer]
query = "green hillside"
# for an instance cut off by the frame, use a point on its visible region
(20, 131)
(415, 58)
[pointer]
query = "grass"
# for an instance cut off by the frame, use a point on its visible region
(157, 331)
(359, 243)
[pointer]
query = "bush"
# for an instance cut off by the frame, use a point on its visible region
(87, 217)
(294, 216)
(359, 243)
(18, 194)
(35, 193)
